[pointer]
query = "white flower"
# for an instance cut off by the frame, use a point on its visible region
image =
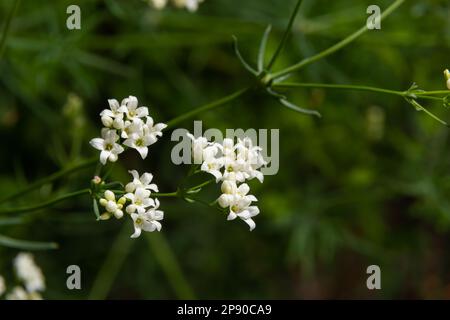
(153, 131)
(130, 108)
(130, 127)
(18, 293)
(144, 182)
(147, 221)
(140, 138)
(198, 145)
(140, 142)
(238, 200)
(231, 191)
(140, 200)
(29, 272)
(112, 206)
(2, 285)
(211, 163)
(108, 146)
(108, 116)
(251, 159)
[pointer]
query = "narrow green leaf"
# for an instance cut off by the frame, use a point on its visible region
(26, 245)
(299, 109)
(262, 48)
(96, 211)
(241, 59)
(11, 221)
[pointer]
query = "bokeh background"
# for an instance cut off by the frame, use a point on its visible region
(368, 183)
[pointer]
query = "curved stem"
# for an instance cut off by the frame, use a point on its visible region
(337, 46)
(285, 35)
(207, 107)
(45, 204)
(50, 178)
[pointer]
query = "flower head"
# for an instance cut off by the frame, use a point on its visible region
(126, 121)
(112, 206)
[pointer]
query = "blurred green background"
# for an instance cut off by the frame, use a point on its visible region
(367, 184)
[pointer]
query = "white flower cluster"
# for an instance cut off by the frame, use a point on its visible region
(137, 202)
(128, 124)
(30, 275)
(190, 5)
(233, 164)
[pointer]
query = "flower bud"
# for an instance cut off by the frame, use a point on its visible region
(103, 202)
(107, 121)
(118, 214)
(447, 77)
(105, 216)
(111, 206)
(228, 187)
(122, 200)
(131, 209)
(96, 180)
(109, 195)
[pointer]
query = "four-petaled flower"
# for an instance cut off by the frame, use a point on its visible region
(147, 221)
(108, 146)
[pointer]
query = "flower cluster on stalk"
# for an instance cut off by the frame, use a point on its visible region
(126, 124)
(232, 164)
(30, 276)
(136, 202)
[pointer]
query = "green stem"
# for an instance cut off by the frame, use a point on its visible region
(338, 86)
(437, 92)
(50, 178)
(11, 14)
(419, 94)
(166, 258)
(167, 194)
(201, 185)
(45, 204)
(207, 107)
(285, 35)
(337, 46)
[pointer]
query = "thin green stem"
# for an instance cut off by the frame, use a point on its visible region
(431, 93)
(50, 178)
(335, 47)
(201, 185)
(338, 86)
(167, 194)
(419, 94)
(7, 26)
(45, 204)
(167, 260)
(207, 107)
(285, 36)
